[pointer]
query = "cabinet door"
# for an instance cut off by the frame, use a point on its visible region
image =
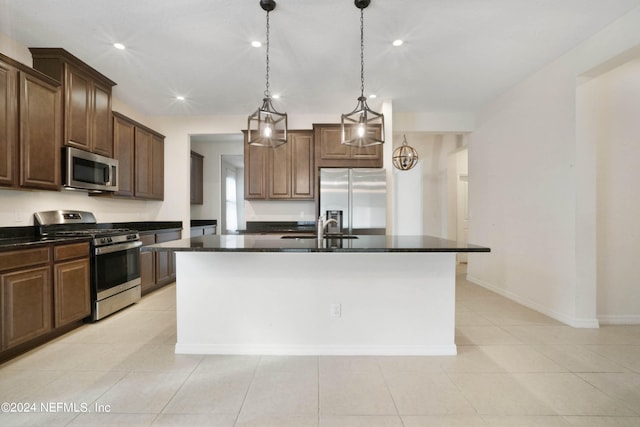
(302, 173)
(165, 261)
(373, 152)
(197, 170)
(255, 172)
(26, 305)
(279, 171)
(78, 99)
(157, 167)
(143, 163)
(147, 264)
(8, 126)
(72, 299)
(101, 134)
(330, 143)
(123, 143)
(40, 134)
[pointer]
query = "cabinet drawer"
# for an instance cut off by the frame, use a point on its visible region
(76, 250)
(24, 258)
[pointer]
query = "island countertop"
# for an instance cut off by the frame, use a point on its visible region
(302, 243)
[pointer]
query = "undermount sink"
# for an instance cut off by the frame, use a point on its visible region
(313, 236)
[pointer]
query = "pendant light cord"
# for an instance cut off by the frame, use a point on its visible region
(362, 52)
(267, 93)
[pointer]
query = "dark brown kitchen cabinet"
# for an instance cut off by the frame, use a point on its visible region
(39, 134)
(281, 173)
(255, 171)
(123, 147)
(25, 295)
(157, 167)
(143, 164)
(147, 265)
(166, 260)
(26, 305)
(87, 99)
(71, 283)
(140, 154)
(330, 152)
(30, 127)
(197, 171)
(8, 125)
(44, 292)
(157, 269)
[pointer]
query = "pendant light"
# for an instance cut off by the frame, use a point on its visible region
(363, 123)
(267, 127)
(405, 157)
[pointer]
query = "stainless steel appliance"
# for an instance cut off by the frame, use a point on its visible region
(88, 171)
(115, 258)
(361, 194)
(334, 227)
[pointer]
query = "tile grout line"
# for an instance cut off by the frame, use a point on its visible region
(246, 393)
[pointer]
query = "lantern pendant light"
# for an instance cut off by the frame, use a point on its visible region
(365, 126)
(405, 157)
(267, 127)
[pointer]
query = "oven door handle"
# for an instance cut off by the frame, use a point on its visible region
(118, 247)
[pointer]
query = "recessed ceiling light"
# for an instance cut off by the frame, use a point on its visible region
(180, 98)
(256, 43)
(373, 96)
(397, 43)
(275, 96)
(119, 46)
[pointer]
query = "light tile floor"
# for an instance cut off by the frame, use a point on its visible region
(515, 367)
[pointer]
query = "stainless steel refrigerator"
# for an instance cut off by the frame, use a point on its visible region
(361, 194)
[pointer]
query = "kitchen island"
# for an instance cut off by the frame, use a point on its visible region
(271, 294)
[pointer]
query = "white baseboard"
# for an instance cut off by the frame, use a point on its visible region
(629, 319)
(321, 350)
(561, 317)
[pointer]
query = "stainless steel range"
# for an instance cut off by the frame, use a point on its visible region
(115, 258)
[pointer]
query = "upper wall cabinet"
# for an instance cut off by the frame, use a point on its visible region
(30, 127)
(140, 154)
(330, 152)
(197, 172)
(87, 99)
(281, 173)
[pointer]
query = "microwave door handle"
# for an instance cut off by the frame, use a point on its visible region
(107, 170)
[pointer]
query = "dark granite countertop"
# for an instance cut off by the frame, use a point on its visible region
(12, 238)
(275, 243)
(17, 243)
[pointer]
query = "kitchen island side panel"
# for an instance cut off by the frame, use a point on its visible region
(315, 303)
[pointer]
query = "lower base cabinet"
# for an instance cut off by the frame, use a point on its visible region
(26, 305)
(157, 269)
(72, 299)
(43, 291)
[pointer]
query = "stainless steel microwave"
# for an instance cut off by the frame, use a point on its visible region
(88, 171)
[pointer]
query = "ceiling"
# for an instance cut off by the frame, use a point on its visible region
(457, 54)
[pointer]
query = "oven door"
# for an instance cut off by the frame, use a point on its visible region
(117, 268)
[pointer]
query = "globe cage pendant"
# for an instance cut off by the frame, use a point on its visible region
(405, 157)
(365, 126)
(267, 127)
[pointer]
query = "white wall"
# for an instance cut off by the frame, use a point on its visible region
(433, 150)
(529, 179)
(614, 105)
(212, 147)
